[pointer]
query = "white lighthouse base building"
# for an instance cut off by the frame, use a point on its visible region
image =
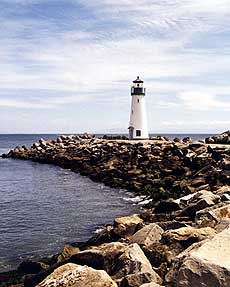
(138, 127)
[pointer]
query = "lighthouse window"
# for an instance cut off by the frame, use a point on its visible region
(138, 133)
(138, 100)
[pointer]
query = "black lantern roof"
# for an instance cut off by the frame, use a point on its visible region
(138, 80)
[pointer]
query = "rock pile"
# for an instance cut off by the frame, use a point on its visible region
(159, 169)
(223, 138)
(178, 241)
(153, 248)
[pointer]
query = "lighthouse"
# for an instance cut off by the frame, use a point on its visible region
(138, 127)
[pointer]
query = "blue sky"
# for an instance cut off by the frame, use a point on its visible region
(66, 65)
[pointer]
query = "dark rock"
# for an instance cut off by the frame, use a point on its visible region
(166, 206)
(223, 138)
(32, 267)
(100, 257)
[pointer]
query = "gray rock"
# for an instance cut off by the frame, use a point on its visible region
(209, 265)
(147, 235)
(134, 261)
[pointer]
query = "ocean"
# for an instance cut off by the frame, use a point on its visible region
(43, 206)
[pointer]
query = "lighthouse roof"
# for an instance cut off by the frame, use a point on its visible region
(138, 80)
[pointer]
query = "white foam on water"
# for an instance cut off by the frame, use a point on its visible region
(143, 202)
(98, 230)
(136, 199)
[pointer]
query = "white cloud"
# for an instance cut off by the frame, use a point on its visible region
(43, 102)
(12, 103)
(98, 57)
(196, 100)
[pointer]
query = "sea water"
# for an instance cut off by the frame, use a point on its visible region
(44, 206)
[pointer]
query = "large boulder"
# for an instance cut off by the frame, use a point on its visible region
(134, 261)
(100, 257)
(187, 235)
(147, 235)
(127, 225)
(72, 275)
(208, 265)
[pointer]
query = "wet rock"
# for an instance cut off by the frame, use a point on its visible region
(72, 275)
(32, 267)
(147, 235)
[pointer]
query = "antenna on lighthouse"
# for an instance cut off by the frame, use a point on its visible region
(138, 127)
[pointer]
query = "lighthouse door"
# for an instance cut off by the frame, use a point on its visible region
(131, 129)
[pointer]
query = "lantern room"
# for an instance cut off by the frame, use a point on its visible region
(137, 87)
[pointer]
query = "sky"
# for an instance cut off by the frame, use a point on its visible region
(66, 66)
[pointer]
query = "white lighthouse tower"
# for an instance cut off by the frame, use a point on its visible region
(138, 127)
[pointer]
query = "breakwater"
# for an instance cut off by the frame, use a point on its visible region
(158, 168)
(186, 227)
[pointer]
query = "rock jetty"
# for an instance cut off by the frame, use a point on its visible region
(158, 168)
(181, 239)
(223, 138)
